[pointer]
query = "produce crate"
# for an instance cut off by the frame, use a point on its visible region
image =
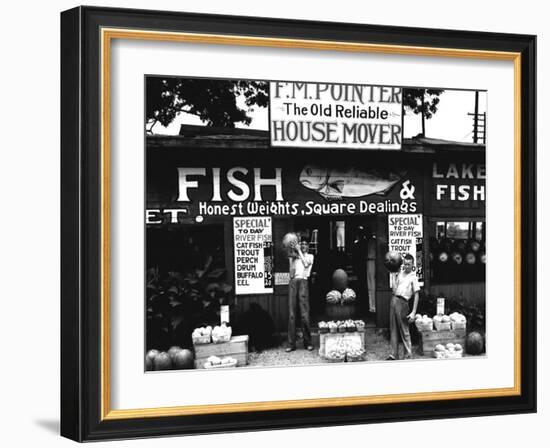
(458, 325)
(429, 339)
(323, 338)
(425, 327)
(237, 348)
(206, 339)
(221, 339)
(222, 366)
(442, 326)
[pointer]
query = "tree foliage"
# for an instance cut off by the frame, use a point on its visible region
(213, 101)
(422, 101)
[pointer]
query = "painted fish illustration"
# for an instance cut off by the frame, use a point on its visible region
(338, 183)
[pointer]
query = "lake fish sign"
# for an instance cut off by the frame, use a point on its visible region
(321, 115)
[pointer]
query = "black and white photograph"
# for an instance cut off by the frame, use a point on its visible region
(291, 223)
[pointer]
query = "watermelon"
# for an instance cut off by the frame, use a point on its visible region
(393, 261)
(348, 295)
(149, 359)
(456, 257)
(184, 359)
(334, 296)
(475, 343)
(443, 257)
(340, 279)
(173, 350)
(290, 240)
(162, 361)
(470, 258)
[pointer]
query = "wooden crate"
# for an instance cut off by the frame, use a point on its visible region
(237, 348)
(429, 339)
(323, 337)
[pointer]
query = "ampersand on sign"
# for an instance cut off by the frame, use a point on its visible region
(407, 190)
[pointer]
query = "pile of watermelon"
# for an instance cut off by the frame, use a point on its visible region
(176, 358)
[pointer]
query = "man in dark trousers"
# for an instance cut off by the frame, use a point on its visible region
(298, 291)
(405, 287)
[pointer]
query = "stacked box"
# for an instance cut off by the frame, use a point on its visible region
(323, 338)
(429, 339)
(237, 348)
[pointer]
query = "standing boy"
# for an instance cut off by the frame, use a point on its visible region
(299, 270)
(405, 287)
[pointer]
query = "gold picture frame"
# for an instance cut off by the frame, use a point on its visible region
(99, 420)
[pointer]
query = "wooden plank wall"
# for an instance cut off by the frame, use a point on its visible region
(473, 293)
(275, 304)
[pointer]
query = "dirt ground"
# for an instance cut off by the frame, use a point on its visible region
(377, 349)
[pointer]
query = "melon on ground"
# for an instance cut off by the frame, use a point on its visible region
(475, 343)
(149, 359)
(162, 361)
(184, 359)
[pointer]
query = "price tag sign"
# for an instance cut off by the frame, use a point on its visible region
(440, 305)
(224, 314)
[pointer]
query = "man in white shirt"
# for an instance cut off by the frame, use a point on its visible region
(405, 287)
(299, 270)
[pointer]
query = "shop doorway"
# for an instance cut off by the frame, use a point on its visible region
(347, 243)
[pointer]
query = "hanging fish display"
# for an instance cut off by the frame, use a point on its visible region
(339, 183)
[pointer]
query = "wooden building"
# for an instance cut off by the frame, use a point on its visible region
(199, 181)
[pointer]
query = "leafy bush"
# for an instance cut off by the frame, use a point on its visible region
(179, 302)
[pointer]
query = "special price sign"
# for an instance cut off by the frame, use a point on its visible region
(253, 248)
(405, 236)
(317, 115)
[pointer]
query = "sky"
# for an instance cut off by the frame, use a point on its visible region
(450, 122)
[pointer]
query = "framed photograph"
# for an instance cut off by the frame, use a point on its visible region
(276, 224)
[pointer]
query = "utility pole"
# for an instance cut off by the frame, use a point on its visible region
(476, 110)
(480, 125)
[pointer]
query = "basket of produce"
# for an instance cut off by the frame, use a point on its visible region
(360, 325)
(221, 334)
(350, 325)
(215, 362)
(323, 327)
(423, 323)
(336, 356)
(458, 321)
(442, 322)
(355, 354)
(448, 351)
(333, 327)
(202, 335)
